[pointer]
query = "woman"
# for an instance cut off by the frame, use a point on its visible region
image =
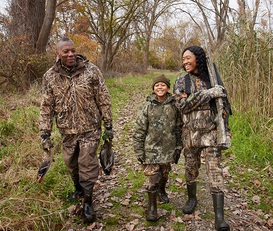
(195, 100)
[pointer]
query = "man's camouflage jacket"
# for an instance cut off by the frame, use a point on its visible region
(79, 101)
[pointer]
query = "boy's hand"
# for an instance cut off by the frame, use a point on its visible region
(176, 155)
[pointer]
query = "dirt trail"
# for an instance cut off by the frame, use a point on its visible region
(236, 212)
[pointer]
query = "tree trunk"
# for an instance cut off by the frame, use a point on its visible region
(46, 27)
(34, 19)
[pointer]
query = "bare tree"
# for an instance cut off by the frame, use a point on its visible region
(220, 10)
(150, 12)
(109, 22)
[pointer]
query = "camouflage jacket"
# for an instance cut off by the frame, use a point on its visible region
(79, 101)
(157, 130)
(199, 128)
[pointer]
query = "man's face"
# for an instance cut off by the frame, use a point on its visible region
(67, 53)
(161, 90)
(189, 62)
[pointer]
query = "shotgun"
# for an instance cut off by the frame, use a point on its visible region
(220, 126)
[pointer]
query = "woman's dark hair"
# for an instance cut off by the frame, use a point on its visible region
(201, 61)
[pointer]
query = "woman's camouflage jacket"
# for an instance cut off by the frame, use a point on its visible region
(199, 127)
(79, 101)
(157, 130)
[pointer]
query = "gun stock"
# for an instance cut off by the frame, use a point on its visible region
(221, 133)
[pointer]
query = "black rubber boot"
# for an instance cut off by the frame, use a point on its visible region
(89, 215)
(163, 197)
(192, 200)
(218, 204)
(78, 192)
(152, 207)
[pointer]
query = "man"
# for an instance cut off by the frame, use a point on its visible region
(75, 93)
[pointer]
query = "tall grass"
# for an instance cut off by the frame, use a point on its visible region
(245, 62)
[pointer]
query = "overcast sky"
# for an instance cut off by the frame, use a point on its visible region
(3, 5)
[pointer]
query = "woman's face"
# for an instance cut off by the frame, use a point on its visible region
(189, 62)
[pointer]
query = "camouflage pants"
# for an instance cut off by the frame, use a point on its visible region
(80, 157)
(155, 173)
(213, 168)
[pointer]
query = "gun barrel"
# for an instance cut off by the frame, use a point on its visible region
(221, 134)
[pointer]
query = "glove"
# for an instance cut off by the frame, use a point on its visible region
(176, 155)
(216, 92)
(46, 142)
(140, 159)
(108, 133)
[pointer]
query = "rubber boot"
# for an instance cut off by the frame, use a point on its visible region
(152, 207)
(192, 200)
(89, 215)
(78, 192)
(218, 204)
(163, 197)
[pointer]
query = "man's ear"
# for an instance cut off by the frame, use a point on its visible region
(57, 53)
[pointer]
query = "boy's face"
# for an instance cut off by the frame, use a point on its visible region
(161, 89)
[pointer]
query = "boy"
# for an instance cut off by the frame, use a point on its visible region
(157, 140)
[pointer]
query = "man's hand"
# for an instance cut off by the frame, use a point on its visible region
(108, 133)
(176, 155)
(46, 142)
(140, 159)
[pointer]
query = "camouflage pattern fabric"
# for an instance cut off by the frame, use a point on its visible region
(154, 173)
(79, 154)
(79, 100)
(157, 130)
(212, 160)
(199, 128)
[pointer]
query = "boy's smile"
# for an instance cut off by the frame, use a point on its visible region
(161, 89)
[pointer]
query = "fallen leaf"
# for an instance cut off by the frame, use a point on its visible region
(236, 212)
(257, 182)
(108, 204)
(125, 202)
(179, 180)
(179, 220)
(256, 199)
(270, 222)
(197, 218)
(71, 209)
(188, 217)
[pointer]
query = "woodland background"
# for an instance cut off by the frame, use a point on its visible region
(131, 41)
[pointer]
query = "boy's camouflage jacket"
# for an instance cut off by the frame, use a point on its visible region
(157, 130)
(199, 128)
(79, 101)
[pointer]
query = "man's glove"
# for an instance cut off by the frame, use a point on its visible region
(216, 92)
(46, 142)
(140, 159)
(176, 155)
(108, 132)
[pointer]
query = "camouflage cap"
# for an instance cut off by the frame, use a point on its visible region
(161, 78)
